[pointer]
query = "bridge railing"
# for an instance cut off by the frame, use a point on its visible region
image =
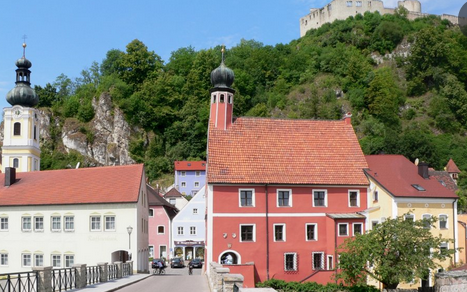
(16, 282)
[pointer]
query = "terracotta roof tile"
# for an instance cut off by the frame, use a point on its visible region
(112, 184)
(173, 192)
(397, 174)
(444, 179)
(451, 167)
(257, 150)
(190, 165)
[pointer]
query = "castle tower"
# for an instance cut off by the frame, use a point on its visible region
(21, 123)
(222, 94)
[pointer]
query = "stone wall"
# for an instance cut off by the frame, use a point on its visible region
(452, 281)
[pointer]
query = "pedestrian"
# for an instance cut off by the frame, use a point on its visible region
(190, 268)
(161, 266)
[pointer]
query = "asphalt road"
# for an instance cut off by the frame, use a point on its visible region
(174, 280)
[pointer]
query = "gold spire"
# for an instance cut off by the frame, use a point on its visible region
(223, 50)
(24, 46)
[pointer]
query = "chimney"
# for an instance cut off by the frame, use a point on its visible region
(423, 169)
(10, 176)
(347, 118)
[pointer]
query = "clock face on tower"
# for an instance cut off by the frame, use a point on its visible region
(17, 112)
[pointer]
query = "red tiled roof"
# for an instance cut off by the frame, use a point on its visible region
(445, 179)
(397, 174)
(258, 150)
(451, 167)
(190, 165)
(173, 192)
(112, 184)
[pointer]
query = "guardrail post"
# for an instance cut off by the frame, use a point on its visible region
(103, 272)
(229, 280)
(44, 282)
(81, 280)
(119, 269)
(130, 263)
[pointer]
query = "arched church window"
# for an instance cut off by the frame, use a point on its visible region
(15, 162)
(35, 131)
(221, 100)
(213, 98)
(17, 129)
(230, 99)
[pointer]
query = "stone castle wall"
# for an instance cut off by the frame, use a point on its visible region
(342, 9)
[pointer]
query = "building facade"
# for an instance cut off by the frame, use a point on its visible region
(190, 176)
(174, 197)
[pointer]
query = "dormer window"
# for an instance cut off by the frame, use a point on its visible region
(418, 188)
(17, 129)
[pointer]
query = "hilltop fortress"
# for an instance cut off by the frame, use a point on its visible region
(341, 9)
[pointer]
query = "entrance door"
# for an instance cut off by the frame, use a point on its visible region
(189, 253)
(163, 251)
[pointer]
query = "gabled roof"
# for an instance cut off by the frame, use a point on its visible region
(173, 193)
(190, 165)
(111, 184)
(154, 199)
(451, 167)
(282, 151)
(398, 175)
(445, 179)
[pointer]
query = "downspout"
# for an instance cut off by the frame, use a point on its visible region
(335, 248)
(456, 234)
(267, 231)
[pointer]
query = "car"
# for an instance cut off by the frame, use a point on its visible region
(196, 263)
(155, 261)
(177, 263)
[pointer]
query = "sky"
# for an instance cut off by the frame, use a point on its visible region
(67, 36)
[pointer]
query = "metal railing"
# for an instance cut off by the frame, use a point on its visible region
(126, 269)
(112, 271)
(63, 279)
(17, 282)
(92, 275)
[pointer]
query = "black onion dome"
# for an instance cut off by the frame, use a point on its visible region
(24, 63)
(222, 76)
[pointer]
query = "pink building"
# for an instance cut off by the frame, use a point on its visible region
(281, 194)
(161, 214)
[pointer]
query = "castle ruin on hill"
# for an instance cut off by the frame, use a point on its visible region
(342, 9)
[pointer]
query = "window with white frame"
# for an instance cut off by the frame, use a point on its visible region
(195, 211)
(443, 248)
(109, 223)
(56, 261)
(357, 228)
(69, 260)
(311, 231)
(319, 198)
(374, 224)
(354, 198)
(247, 198)
(284, 198)
(426, 221)
(160, 229)
(358, 4)
(343, 229)
(69, 223)
(180, 230)
(375, 196)
(349, 3)
(290, 261)
(279, 232)
(183, 184)
(26, 259)
(151, 251)
(198, 173)
(56, 223)
(409, 217)
(183, 173)
(247, 232)
(95, 223)
(26, 224)
(330, 262)
(15, 162)
(192, 230)
(318, 260)
(172, 201)
(38, 260)
(38, 223)
(196, 184)
(443, 221)
(3, 223)
(3, 259)
(151, 212)
(17, 129)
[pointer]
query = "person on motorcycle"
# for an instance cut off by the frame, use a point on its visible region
(160, 266)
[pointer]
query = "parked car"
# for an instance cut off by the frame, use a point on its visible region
(155, 261)
(196, 263)
(177, 263)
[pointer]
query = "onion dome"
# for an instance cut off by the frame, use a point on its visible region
(222, 76)
(23, 94)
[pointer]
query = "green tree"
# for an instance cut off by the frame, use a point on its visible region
(395, 251)
(47, 95)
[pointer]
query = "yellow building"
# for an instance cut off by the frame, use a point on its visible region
(397, 187)
(21, 123)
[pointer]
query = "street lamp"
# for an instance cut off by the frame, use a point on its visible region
(129, 229)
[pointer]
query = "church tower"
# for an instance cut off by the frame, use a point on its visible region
(21, 123)
(222, 94)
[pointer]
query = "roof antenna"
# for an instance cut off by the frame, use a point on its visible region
(24, 46)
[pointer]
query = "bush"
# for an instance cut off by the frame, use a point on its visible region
(284, 286)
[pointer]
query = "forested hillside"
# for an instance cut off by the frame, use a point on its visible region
(403, 81)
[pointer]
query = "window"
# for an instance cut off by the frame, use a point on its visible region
(319, 198)
(349, 3)
(69, 261)
(26, 259)
(109, 223)
(151, 251)
(374, 224)
(426, 221)
(284, 198)
(15, 162)
(229, 98)
(419, 187)
(196, 183)
(290, 261)
(151, 212)
(357, 228)
(17, 129)
(183, 173)
(359, 4)
(56, 261)
(343, 229)
(198, 173)
(26, 223)
(279, 232)
(195, 211)
(172, 201)
(192, 230)
(443, 248)
(443, 221)
(213, 98)
(375, 196)
(311, 232)
(69, 223)
(3, 259)
(38, 223)
(221, 99)
(318, 260)
(95, 223)
(56, 223)
(247, 198)
(330, 262)
(4, 223)
(35, 130)
(410, 217)
(354, 200)
(183, 184)
(38, 260)
(180, 230)
(247, 233)
(160, 229)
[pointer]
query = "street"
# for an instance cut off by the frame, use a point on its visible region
(174, 280)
